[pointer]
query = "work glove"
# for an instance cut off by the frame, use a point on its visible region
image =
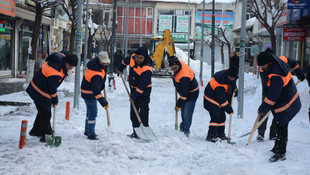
(106, 107)
(236, 93)
(176, 108)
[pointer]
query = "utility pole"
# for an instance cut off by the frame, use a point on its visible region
(189, 33)
(86, 38)
(202, 41)
(78, 48)
(113, 36)
(241, 60)
(213, 42)
(140, 23)
(126, 42)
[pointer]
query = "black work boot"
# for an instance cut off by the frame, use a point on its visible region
(212, 139)
(92, 137)
(277, 157)
(133, 136)
(260, 136)
(222, 137)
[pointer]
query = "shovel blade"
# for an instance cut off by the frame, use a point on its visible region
(53, 140)
(149, 132)
(145, 133)
(49, 139)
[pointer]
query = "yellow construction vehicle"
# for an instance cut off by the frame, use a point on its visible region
(158, 45)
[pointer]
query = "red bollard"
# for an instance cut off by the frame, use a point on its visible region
(114, 84)
(201, 83)
(23, 134)
(68, 110)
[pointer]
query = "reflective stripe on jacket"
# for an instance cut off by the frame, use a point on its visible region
(43, 86)
(94, 82)
(281, 95)
(218, 92)
(186, 84)
(139, 76)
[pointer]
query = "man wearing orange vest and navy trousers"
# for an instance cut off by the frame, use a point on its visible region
(217, 98)
(43, 90)
(281, 97)
(92, 85)
(186, 85)
(140, 85)
(300, 74)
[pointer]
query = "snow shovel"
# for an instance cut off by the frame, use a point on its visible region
(144, 133)
(230, 118)
(260, 122)
(176, 125)
(108, 115)
(53, 140)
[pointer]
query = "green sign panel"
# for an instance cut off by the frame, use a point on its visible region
(178, 37)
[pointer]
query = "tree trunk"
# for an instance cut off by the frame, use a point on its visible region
(273, 40)
(222, 55)
(34, 43)
(89, 45)
(72, 38)
(36, 31)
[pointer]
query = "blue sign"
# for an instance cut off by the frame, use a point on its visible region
(297, 4)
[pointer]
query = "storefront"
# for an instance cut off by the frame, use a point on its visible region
(7, 11)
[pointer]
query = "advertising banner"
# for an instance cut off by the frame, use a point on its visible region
(8, 7)
(182, 24)
(294, 34)
(226, 19)
(297, 4)
(165, 22)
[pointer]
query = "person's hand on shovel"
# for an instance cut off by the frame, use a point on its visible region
(54, 105)
(106, 107)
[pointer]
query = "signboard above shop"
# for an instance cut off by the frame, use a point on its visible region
(297, 4)
(294, 34)
(8, 7)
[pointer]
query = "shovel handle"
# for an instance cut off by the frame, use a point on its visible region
(257, 125)
(230, 116)
(133, 105)
(176, 125)
(108, 115)
(54, 119)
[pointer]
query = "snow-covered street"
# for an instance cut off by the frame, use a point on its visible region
(171, 153)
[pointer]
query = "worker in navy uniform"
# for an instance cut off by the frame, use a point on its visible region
(294, 66)
(217, 99)
(43, 90)
(186, 85)
(140, 82)
(281, 97)
(92, 85)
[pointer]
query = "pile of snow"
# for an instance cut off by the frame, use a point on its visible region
(171, 153)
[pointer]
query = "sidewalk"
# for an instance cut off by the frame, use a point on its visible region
(11, 85)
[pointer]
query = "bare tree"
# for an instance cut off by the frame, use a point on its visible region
(268, 12)
(40, 7)
(223, 39)
(72, 14)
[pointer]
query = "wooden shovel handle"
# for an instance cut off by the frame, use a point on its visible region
(133, 105)
(108, 115)
(176, 125)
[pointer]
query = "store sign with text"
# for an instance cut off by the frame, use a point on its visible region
(294, 34)
(8, 7)
(297, 4)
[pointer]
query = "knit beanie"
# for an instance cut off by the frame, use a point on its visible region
(173, 61)
(233, 71)
(263, 58)
(142, 51)
(71, 59)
